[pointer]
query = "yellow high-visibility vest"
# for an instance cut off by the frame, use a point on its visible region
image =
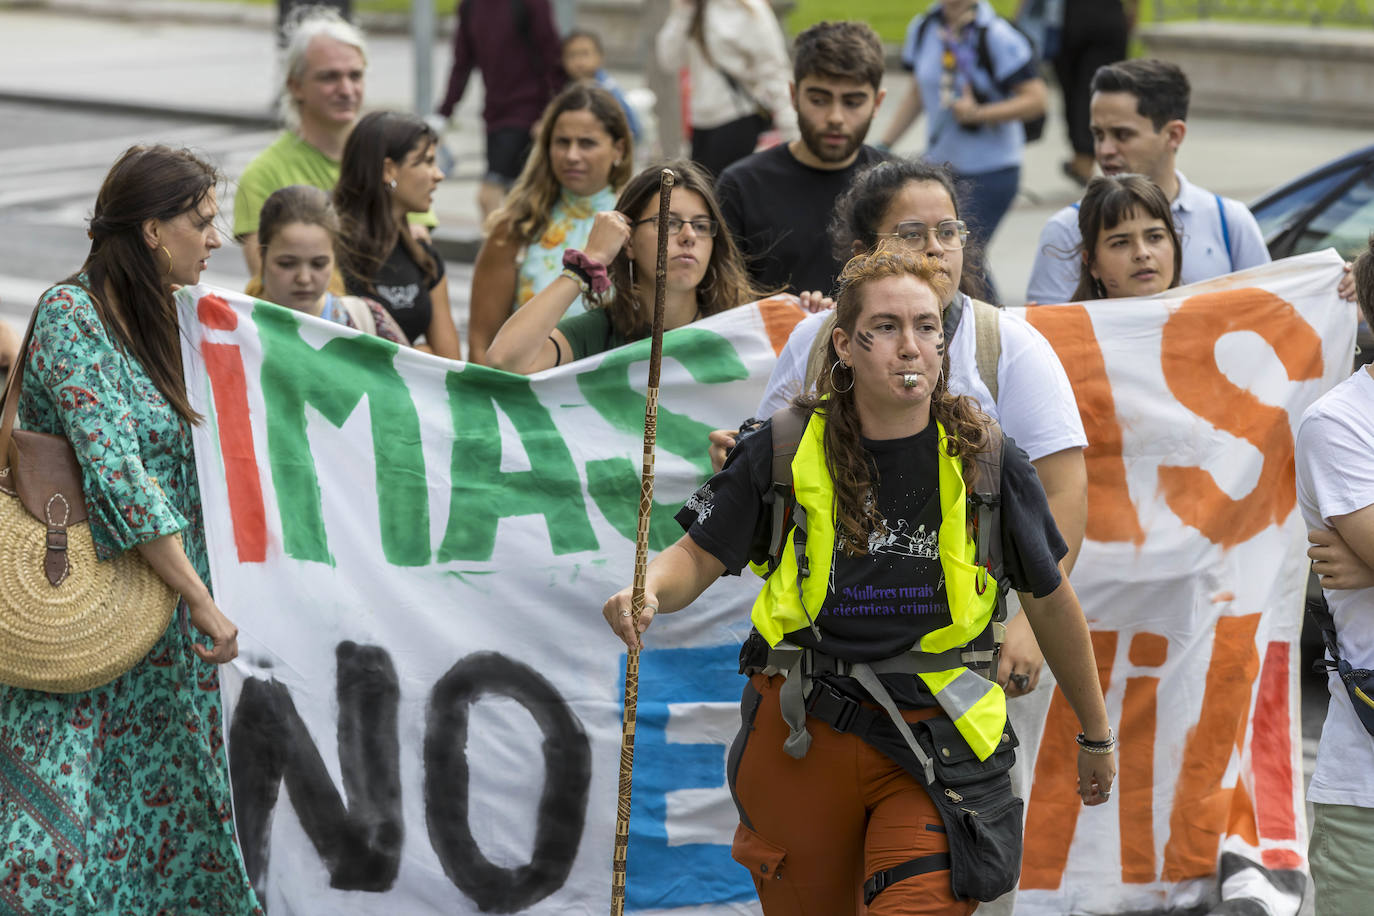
(975, 704)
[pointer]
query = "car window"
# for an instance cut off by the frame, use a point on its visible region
(1342, 224)
(1279, 213)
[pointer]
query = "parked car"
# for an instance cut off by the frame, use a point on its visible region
(1331, 206)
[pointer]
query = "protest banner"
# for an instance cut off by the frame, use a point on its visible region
(416, 553)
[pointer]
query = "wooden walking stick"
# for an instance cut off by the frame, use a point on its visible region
(646, 504)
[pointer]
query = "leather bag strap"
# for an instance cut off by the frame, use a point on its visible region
(12, 389)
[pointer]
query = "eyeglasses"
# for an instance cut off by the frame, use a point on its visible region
(950, 234)
(702, 226)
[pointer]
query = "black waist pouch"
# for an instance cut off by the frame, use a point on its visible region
(1359, 682)
(983, 817)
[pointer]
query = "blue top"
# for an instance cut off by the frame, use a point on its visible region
(926, 52)
(608, 82)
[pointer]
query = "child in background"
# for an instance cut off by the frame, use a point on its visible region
(582, 61)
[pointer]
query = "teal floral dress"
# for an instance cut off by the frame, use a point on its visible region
(570, 223)
(116, 800)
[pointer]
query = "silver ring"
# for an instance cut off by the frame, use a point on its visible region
(625, 613)
(1105, 793)
(1020, 681)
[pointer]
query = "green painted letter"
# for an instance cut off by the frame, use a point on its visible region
(333, 379)
(614, 482)
(483, 494)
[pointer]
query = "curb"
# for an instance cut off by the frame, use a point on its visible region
(217, 12)
(245, 118)
(458, 244)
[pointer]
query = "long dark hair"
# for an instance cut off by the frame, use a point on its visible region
(1109, 201)
(521, 218)
(860, 209)
(128, 285)
(368, 226)
(725, 283)
(966, 426)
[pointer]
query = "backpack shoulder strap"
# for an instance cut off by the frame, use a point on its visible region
(986, 499)
(921, 28)
(787, 426)
(987, 327)
(1225, 230)
(985, 54)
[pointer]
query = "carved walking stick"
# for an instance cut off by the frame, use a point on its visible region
(646, 501)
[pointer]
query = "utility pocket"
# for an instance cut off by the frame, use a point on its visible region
(988, 838)
(764, 859)
(955, 762)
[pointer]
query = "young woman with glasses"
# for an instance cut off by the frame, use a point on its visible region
(616, 272)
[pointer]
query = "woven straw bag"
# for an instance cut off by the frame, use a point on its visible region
(67, 622)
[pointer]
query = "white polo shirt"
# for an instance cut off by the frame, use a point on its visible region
(1054, 276)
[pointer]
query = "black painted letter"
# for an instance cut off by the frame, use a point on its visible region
(562, 805)
(268, 742)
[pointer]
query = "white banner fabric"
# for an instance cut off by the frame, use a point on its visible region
(416, 553)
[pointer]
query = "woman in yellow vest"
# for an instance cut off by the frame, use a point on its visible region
(861, 693)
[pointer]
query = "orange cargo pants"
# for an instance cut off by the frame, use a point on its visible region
(813, 830)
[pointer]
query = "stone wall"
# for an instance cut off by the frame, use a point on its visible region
(1295, 73)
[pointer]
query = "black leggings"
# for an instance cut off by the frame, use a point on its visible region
(1094, 35)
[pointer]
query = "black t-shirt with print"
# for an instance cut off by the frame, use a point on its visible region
(401, 286)
(879, 605)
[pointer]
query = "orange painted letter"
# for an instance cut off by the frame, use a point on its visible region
(1202, 807)
(1191, 372)
(1111, 515)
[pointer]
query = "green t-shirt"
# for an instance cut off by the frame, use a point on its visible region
(590, 333)
(289, 160)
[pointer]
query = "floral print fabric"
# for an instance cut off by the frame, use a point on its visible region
(569, 225)
(116, 800)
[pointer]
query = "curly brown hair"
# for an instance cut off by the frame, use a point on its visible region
(851, 468)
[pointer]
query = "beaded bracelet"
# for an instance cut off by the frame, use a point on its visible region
(577, 278)
(1097, 747)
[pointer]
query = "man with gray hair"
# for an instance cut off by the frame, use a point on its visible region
(324, 73)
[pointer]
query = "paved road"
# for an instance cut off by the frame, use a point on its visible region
(51, 164)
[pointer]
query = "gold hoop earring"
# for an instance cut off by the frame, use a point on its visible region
(837, 388)
(169, 260)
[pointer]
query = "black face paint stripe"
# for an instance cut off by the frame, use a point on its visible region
(864, 339)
